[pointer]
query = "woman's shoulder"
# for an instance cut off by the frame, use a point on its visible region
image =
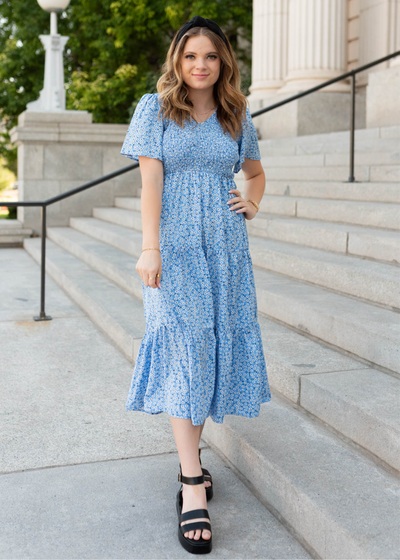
(148, 106)
(152, 99)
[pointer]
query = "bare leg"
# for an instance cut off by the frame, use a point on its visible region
(187, 439)
(206, 482)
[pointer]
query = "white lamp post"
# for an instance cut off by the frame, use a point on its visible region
(52, 96)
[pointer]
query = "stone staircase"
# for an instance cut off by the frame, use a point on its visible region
(13, 233)
(324, 454)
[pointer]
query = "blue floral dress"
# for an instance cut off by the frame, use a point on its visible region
(201, 354)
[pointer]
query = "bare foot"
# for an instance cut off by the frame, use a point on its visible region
(194, 497)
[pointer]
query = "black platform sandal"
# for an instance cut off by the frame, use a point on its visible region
(207, 476)
(200, 546)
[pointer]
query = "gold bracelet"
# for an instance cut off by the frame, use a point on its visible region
(148, 249)
(254, 203)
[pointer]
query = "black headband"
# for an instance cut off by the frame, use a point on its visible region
(198, 21)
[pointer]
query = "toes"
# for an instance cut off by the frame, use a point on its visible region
(196, 534)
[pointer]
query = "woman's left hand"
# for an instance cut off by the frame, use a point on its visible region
(240, 205)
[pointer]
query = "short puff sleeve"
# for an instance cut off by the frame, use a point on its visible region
(145, 132)
(247, 143)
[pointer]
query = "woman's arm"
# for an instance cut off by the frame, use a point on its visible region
(149, 263)
(254, 187)
(152, 172)
(254, 175)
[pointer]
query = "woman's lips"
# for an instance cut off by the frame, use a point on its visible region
(200, 75)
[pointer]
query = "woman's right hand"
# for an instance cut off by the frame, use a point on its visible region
(148, 265)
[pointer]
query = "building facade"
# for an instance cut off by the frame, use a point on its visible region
(298, 44)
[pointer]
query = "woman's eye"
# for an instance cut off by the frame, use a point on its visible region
(211, 55)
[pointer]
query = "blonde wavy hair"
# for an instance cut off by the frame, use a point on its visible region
(173, 91)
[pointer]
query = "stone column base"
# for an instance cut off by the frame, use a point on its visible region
(383, 95)
(60, 151)
(317, 113)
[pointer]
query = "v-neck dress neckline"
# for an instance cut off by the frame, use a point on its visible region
(202, 122)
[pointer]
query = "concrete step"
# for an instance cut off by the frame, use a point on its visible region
(377, 244)
(359, 402)
(128, 202)
(370, 214)
(119, 216)
(333, 190)
(337, 501)
(362, 278)
(112, 310)
(374, 173)
(290, 357)
(123, 238)
(12, 233)
(363, 405)
(365, 330)
(391, 158)
(308, 499)
(107, 259)
(335, 141)
(377, 282)
(284, 146)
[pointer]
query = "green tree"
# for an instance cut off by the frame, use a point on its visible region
(113, 55)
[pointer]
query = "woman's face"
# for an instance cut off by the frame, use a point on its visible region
(200, 63)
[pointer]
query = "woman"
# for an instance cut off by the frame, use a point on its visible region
(201, 354)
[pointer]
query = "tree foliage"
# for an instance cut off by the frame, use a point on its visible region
(113, 55)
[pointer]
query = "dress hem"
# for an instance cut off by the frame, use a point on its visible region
(216, 419)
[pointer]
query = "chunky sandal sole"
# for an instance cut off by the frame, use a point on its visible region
(200, 546)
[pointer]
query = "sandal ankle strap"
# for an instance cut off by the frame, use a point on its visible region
(190, 479)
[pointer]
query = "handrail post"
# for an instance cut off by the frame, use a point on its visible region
(43, 316)
(352, 126)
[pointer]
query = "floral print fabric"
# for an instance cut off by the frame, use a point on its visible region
(201, 354)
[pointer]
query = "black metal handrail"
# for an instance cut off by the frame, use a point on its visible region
(44, 203)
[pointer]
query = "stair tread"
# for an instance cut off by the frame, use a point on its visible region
(329, 159)
(111, 227)
(354, 263)
(285, 350)
(351, 308)
(126, 310)
(361, 404)
(362, 230)
(107, 253)
(336, 226)
(342, 136)
(357, 204)
(353, 501)
(366, 330)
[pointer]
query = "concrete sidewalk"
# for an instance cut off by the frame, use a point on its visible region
(80, 476)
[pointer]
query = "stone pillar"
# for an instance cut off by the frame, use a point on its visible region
(379, 34)
(60, 151)
(316, 44)
(383, 92)
(316, 35)
(394, 33)
(269, 49)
